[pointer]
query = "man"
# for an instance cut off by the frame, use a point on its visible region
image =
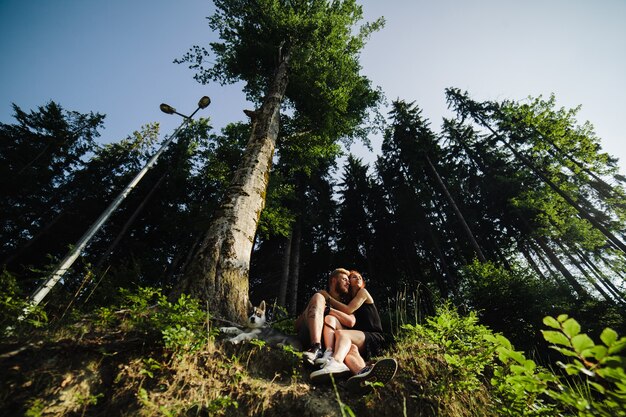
(310, 323)
(365, 337)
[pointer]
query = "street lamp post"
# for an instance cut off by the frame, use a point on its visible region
(65, 264)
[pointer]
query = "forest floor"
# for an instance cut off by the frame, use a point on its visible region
(143, 358)
(129, 374)
(167, 360)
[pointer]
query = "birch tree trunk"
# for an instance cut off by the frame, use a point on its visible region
(218, 272)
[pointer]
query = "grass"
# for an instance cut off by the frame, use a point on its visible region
(150, 357)
(142, 360)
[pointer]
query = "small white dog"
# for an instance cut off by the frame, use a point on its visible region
(256, 328)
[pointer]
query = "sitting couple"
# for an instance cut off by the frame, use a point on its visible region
(352, 333)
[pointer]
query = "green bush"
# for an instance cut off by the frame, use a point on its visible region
(460, 341)
(511, 301)
(593, 383)
(16, 314)
(453, 359)
(182, 324)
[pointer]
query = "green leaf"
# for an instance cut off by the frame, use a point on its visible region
(597, 387)
(571, 327)
(555, 337)
(518, 370)
(612, 374)
(565, 351)
(530, 365)
(517, 357)
(617, 346)
(504, 341)
(551, 322)
(608, 336)
(582, 342)
(597, 352)
(562, 317)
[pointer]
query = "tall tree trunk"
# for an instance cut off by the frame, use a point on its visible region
(554, 275)
(458, 213)
(284, 276)
(295, 265)
(562, 269)
(449, 284)
(129, 222)
(612, 192)
(600, 276)
(219, 270)
(584, 271)
(532, 262)
(611, 265)
(581, 211)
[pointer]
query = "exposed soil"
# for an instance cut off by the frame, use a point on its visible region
(131, 375)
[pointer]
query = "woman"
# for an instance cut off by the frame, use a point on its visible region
(354, 345)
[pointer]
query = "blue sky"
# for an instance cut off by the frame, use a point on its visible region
(115, 57)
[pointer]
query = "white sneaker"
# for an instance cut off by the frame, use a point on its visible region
(325, 357)
(311, 355)
(332, 367)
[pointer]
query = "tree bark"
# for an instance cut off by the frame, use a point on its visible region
(295, 266)
(554, 275)
(284, 276)
(532, 262)
(562, 269)
(449, 284)
(606, 281)
(581, 166)
(218, 272)
(585, 273)
(458, 213)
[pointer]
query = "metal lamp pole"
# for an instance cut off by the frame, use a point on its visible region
(69, 259)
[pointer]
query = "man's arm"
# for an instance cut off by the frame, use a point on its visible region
(347, 320)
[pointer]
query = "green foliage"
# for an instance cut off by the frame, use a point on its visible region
(323, 45)
(14, 305)
(219, 406)
(36, 408)
(453, 356)
(344, 408)
(510, 300)
(43, 149)
(594, 384)
(460, 342)
(182, 324)
(276, 218)
(519, 384)
(548, 182)
(150, 367)
(281, 320)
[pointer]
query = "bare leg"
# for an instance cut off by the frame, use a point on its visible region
(331, 323)
(315, 317)
(344, 339)
(354, 360)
